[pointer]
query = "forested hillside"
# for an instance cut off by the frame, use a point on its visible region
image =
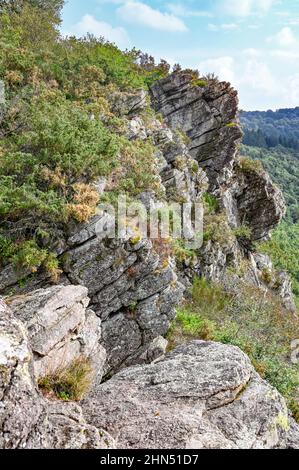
(268, 129)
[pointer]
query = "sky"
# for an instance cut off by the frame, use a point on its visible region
(254, 44)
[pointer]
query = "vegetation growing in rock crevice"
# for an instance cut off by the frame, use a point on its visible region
(69, 383)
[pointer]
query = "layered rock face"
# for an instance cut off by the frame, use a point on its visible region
(207, 111)
(207, 114)
(132, 291)
(201, 395)
(252, 199)
(60, 327)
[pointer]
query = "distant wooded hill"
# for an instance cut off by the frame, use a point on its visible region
(268, 129)
(273, 138)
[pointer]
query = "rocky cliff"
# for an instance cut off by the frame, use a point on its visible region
(116, 300)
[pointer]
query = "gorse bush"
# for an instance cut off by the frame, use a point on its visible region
(248, 165)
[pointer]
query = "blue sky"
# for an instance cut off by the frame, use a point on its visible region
(254, 44)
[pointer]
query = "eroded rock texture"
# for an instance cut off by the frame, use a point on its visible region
(27, 420)
(60, 327)
(207, 114)
(253, 200)
(201, 395)
(207, 111)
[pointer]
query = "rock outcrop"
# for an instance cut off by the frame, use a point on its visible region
(27, 420)
(133, 294)
(251, 199)
(207, 113)
(200, 396)
(60, 327)
(117, 299)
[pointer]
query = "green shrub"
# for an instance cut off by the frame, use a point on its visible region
(199, 83)
(248, 165)
(211, 203)
(283, 248)
(243, 232)
(216, 228)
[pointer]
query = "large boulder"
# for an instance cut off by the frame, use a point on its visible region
(201, 395)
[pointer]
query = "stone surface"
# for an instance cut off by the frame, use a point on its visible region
(27, 420)
(127, 284)
(128, 103)
(201, 395)
(60, 328)
(252, 199)
(207, 114)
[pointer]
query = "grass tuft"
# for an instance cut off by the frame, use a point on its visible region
(69, 383)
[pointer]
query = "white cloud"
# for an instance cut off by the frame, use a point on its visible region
(245, 8)
(258, 76)
(179, 9)
(139, 13)
(284, 38)
(224, 27)
(284, 54)
(292, 90)
(251, 52)
(221, 66)
(294, 22)
(89, 24)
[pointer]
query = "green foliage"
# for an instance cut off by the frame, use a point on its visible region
(216, 228)
(244, 317)
(243, 232)
(211, 203)
(196, 82)
(58, 133)
(270, 129)
(283, 248)
(69, 383)
(248, 165)
(181, 252)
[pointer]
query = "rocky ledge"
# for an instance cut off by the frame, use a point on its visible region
(202, 395)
